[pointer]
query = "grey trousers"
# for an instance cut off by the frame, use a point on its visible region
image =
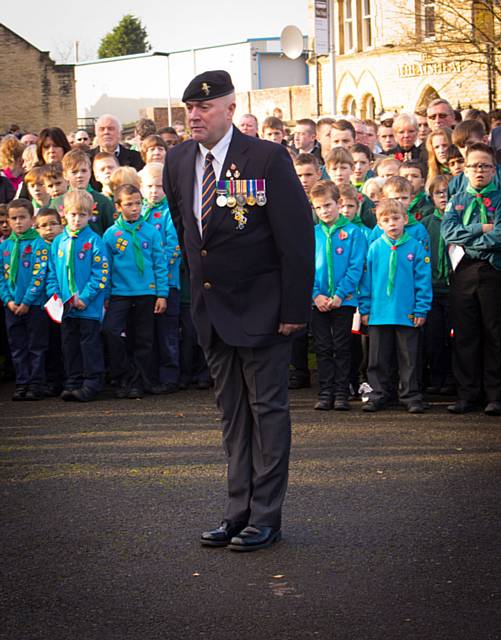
(251, 392)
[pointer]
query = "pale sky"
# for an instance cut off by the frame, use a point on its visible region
(54, 25)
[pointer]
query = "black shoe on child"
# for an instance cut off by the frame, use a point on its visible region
(370, 406)
(84, 394)
(35, 393)
(20, 392)
(135, 393)
(324, 404)
(341, 404)
(416, 407)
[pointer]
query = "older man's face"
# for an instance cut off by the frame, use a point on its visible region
(108, 133)
(440, 115)
(209, 120)
(248, 126)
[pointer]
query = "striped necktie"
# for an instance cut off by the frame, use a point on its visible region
(208, 191)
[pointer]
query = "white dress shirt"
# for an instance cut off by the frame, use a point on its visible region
(219, 152)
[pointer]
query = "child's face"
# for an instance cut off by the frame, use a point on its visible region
(130, 206)
(308, 175)
(274, 135)
(340, 173)
(56, 187)
(414, 176)
(19, 220)
(76, 220)
(392, 224)
(152, 188)
(388, 170)
(326, 209)
(439, 197)
(386, 138)
(78, 176)
(374, 192)
(403, 197)
(304, 137)
(440, 146)
(155, 154)
(456, 166)
(479, 169)
(103, 170)
(38, 192)
(4, 226)
(361, 164)
(348, 208)
(48, 227)
(342, 139)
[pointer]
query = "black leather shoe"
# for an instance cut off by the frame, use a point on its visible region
(67, 395)
(416, 407)
(370, 406)
(84, 394)
(341, 404)
(35, 393)
(20, 392)
(324, 404)
(493, 409)
(221, 536)
(253, 538)
(462, 406)
(135, 393)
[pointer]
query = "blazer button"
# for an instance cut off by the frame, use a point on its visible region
(203, 253)
(207, 285)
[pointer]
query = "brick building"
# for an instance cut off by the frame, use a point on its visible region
(398, 55)
(35, 92)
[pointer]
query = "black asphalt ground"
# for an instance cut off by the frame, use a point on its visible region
(391, 526)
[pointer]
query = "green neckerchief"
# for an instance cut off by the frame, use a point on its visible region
(132, 228)
(29, 234)
(478, 201)
(413, 205)
(36, 205)
(358, 185)
(329, 232)
(444, 169)
(357, 220)
(70, 260)
(392, 266)
(443, 264)
(148, 208)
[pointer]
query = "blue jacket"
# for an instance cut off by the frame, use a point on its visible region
(29, 287)
(412, 292)
(91, 272)
(349, 248)
(159, 217)
(482, 246)
(416, 230)
(126, 279)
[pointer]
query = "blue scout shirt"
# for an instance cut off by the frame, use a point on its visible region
(29, 287)
(126, 278)
(412, 292)
(477, 245)
(416, 230)
(159, 216)
(91, 271)
(349, 248)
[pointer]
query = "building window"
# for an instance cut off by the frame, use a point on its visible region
(428, 18)
(349, 106)
(348, 25)
(367, 23)
(368, 107)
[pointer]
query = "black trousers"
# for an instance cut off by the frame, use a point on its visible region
(437, 341)
(476, 317)
(251, 391)
(333, 341)
(136, 311)
(166, 344)
(28, 337)
(386, 342)
(82, 353)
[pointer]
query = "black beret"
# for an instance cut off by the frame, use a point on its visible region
(209, 85)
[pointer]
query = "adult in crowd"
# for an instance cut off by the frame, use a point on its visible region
(248, 124)
(305, 138)
(423, 127)
(82, 139)
(405, 130)
(251, 268)
(386, 137)
(440, 113)
(52, 145)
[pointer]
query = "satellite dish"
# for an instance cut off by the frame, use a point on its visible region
(291, 42)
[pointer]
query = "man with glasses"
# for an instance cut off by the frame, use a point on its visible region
(440, 114)
(82, 139)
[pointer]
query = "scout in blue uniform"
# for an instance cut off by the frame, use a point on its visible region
(79, 272)
(22, 290)
(420, 205)
(395, 297)
(397, 188)
(156, 212)
(472, 223)
(340, 249)
(139, 289)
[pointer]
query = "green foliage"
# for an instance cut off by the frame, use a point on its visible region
(127, 38)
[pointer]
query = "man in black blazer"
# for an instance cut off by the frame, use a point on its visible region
(108, 133)
(250, 251)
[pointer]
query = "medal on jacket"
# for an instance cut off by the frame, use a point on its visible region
(222, 199)
(240, 217)
(261, 193)
(251, 193)
(231, 201)
(241, 199)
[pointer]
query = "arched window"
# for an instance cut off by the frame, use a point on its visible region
(349, 106)
(368, 111)
(427, 95)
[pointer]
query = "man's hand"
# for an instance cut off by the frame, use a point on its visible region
(419, 322)
(364, 319)
(22, 309)
(160, 305)
(286, 329)
(322, 303)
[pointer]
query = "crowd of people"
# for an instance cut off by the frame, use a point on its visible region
(406, 299)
